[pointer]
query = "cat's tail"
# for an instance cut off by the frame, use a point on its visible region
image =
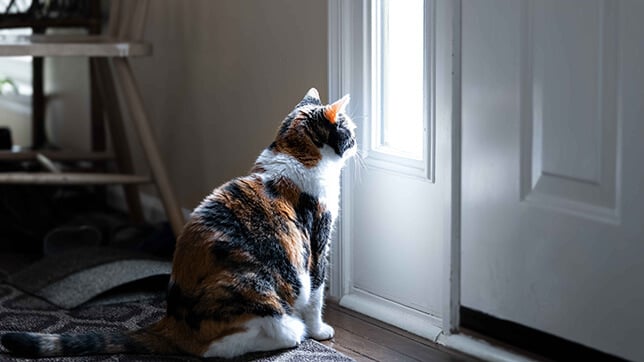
(142, 341)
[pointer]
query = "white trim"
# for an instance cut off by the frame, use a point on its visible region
(452, 267)
(480, 348)
(379, 156)
(419, 323)
(336, 66)
(429, 101)
(348, 31)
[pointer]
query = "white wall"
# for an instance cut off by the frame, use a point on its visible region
(222, 77)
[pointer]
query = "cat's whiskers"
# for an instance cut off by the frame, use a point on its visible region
(358, 165)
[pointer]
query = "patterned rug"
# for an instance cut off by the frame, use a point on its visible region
(87, 273)
(23, 312)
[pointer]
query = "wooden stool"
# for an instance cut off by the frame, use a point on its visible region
(126, 25)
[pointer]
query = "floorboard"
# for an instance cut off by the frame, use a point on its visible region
(366, 339)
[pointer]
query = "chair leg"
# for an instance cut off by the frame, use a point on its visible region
(98, 121)
(134, 100)
(38, 135)
(97, 128)
(101, 72)
(38, 139)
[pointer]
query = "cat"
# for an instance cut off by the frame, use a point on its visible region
(249, 267)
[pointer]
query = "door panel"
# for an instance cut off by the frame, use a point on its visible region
(568, 87)
(553, 208)
(398, 240)
(569, 104)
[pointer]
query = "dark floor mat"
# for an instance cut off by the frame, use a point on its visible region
(12, 262)
(72, 278)
(22, 312)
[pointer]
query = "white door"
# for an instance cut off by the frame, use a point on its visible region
(553, 168)
(393, 226)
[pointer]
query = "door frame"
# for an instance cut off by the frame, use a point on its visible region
(349, 72)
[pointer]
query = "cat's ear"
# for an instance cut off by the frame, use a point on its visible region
(311, 97)
(332, 110)
(313, 93)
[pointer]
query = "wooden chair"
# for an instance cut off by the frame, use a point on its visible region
(41, 15)
(122, 41)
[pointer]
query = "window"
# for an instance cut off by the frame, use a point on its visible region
(15, 72)
(401, 121)
(399, 67)
(15, 93)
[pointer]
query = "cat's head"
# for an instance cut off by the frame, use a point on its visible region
(313, 131)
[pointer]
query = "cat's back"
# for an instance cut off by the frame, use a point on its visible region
(247, 225)
(246, 207)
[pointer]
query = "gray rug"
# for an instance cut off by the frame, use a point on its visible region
(101, 289)
(71, 278)
(23, 312)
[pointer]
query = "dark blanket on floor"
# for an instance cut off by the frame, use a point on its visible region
(23, 312)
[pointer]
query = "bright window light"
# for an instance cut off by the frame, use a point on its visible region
(15, 72)
(14, 6)
(400, 65)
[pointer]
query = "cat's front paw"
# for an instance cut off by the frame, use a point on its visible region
(322, 333)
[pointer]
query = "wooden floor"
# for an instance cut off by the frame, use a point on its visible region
(366, 339)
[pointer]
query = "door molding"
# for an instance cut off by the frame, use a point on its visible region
(452, 268)
(592, 192)
(350, 72)
(344, 25)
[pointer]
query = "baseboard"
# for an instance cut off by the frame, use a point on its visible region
(426, 326)
(416, 322)
(480, 349)
(529, 339)
(153, 210)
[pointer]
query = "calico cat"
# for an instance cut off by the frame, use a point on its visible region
(249, 266)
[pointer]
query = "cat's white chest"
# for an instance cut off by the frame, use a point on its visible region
(321, 181)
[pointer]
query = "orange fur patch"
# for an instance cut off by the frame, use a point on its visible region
(332, 110)
(331, 113)
(295, 143)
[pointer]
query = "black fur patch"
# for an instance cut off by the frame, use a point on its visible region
(182, 307)
(341, 140)
(319, 243)
(82, 344)
(23, 344)
(306, 209)
(317, 227)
